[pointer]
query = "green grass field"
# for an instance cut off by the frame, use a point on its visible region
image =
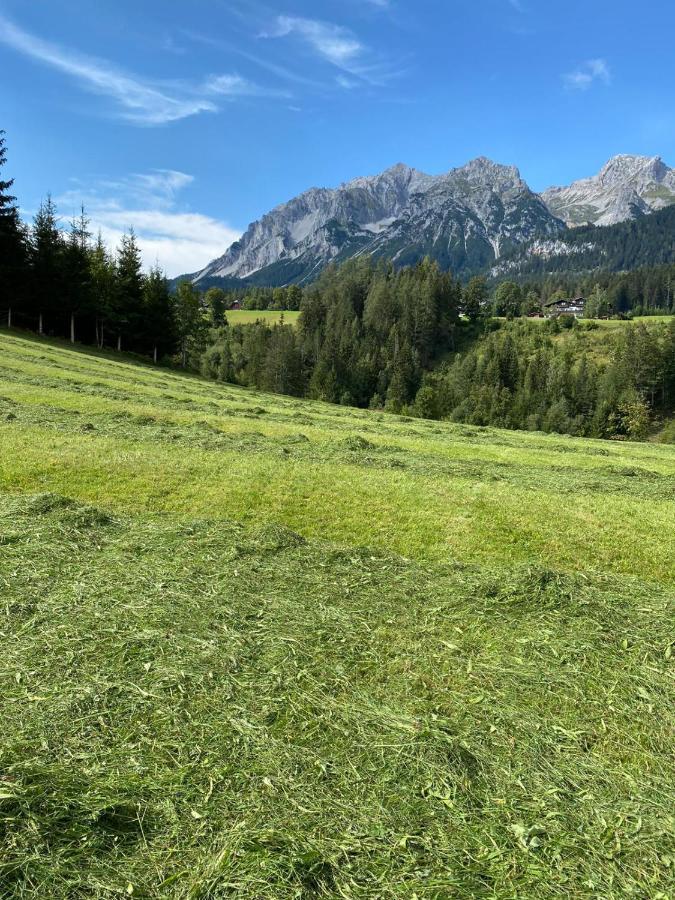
(270, 316)
(261, 647)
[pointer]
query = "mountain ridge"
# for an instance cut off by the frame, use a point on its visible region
(467, 218)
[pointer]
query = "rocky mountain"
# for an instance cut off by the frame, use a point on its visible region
(465, 219)
(625, 188)
(476, 218)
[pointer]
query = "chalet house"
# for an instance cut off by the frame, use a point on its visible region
(565, 308)
(236, 304)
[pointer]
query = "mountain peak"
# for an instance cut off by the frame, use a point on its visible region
(627, 186)
(625, 166)
(463, 218)
(484, 169)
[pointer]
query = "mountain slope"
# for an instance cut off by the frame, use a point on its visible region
(646, 241)
(479, 217)
(464, 219)
(626, 187)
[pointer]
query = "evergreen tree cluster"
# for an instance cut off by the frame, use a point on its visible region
(66, 285)
(643, 291)
(366, 336)
(647, 241)
(520, 376)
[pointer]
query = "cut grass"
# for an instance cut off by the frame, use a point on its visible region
(137, 438)
(197, 707)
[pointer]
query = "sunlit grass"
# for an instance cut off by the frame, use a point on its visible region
(260, 647)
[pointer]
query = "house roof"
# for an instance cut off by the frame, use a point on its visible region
(569, 302)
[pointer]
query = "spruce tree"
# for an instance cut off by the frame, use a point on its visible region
(48, 275)
(13, 264)
(78, 271)
(159, 324)
(129, 291)
(190, 320)
(103, 288)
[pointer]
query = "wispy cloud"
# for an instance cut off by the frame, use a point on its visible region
(139, 101)
(347, 83)
(232, 86)
(587, 74)
(517, 5)
(263, 62)
(335, 45)
(179, 240)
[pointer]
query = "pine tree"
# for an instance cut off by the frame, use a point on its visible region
(48, 276)
(159, 322)
(78, 271)
(103, 288)
(190, 320)
(129, 289)
(13, 263)
(283, 363)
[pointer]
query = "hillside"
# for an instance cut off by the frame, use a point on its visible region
(272, 648)
(646, 241)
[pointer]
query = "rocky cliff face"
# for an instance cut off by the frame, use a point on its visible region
(464, 219)
(625, 188)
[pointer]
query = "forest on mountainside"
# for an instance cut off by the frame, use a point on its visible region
(646, 241)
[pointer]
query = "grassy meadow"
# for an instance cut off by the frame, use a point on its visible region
(270, 316)
(261, 647)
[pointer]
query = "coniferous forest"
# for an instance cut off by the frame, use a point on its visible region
(411, 340)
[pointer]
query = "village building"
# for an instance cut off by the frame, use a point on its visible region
(556, 308)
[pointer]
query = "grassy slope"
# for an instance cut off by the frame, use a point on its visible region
(200, 702)
(246, 316)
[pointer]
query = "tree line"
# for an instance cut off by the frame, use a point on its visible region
(649, 290)
(366, 334)
(647, 241)
(409, 340)
(373, 336)
(522, 376)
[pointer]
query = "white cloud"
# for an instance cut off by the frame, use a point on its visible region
(336, 44)
(232, 86)
(179, 241)
(583, 77)
(347, 83)
(141, 102)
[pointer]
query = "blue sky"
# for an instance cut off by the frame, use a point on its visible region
(189, 120)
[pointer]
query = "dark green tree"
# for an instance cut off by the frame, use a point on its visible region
(13, 258)
(215, 300)
(77, 269)
(474, 298)
(48, 271)
(129, 290)
(190, 320)
(158, 314)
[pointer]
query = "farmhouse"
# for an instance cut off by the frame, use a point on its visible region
(565, 308)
